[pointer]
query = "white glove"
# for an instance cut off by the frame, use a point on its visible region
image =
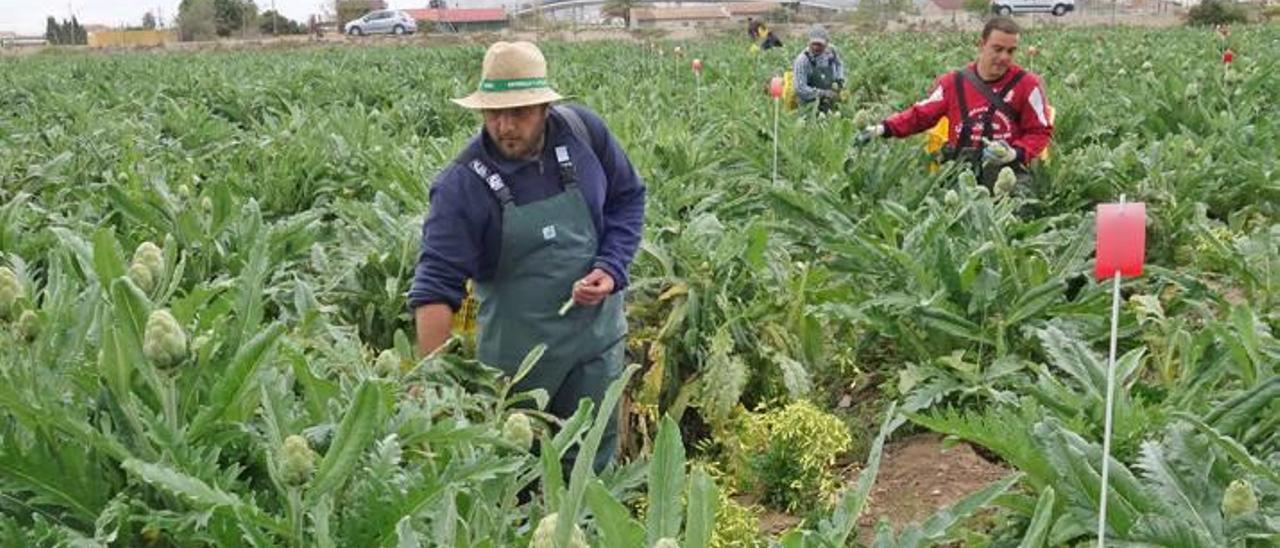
(998, 152)
(868, 133)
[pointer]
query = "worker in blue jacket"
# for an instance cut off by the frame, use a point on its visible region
(541, 207)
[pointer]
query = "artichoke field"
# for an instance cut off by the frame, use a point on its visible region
(204, 340)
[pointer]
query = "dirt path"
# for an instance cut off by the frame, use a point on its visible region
(917, 477)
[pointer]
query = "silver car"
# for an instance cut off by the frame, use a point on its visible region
(382, 22)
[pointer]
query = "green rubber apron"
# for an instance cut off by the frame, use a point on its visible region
(822, 77)
(548, 245)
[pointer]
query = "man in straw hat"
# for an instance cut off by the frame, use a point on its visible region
(543, 212)
(819, 74)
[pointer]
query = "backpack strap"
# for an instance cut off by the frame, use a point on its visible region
(578, 127)
(995, 101)
(965, 122)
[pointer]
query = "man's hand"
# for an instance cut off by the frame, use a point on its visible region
(434, 325)
(868, 133)
(998, 153)
(593, 288)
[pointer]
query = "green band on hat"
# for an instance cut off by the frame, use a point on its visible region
(513, 84)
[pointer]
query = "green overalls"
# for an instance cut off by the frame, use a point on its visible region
(822, 77)
(548, 245)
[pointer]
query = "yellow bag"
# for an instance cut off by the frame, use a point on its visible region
(934, 140)
(464, 320)
(1044, 155)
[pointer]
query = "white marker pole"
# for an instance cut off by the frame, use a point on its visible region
(1106, 424)
(776, 104)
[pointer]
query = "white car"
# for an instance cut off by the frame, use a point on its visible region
(1010, 7)
(382, 22)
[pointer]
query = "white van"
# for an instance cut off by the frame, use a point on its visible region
(1010, 7)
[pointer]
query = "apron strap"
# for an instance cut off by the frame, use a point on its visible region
(491, 178)
(568, 173)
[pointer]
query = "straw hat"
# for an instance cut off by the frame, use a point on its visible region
(514, 75)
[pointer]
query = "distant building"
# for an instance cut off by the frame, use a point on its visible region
(642, 18)
(740, 11)
(460, 20)
(131, 38)
(12, 39)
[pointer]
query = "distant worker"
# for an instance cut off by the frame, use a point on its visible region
(818, 72)
(770, 41)
(998, 112)
(753, 29)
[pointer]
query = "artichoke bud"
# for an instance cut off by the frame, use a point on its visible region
(518, 430)
(1005, 181)
(1239, 500)
(164, 343)
(545, 535)
(141, 276)
(951, 198)
(297, 461)
(387, 364)
(150, 256)
(28, 326)
(10, 291)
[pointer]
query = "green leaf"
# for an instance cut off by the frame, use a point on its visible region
(617, 527)
(406, 537)
(582, 466)
(836, 531)
(108, 260)
(1038, 532)
(1035, 301)
(936, 527)
(1234, 448)
(704, 498)
(666, 483)
(190, 488)
(355, 433)
(553, 473)
(236, 380)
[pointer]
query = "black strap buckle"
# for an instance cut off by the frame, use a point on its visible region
(568, 173)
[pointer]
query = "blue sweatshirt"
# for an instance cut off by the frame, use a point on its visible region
(462, 235)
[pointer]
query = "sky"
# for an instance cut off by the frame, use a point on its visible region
(28, 16)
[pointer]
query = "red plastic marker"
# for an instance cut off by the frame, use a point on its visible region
(775, 87)
(1228, 56)
(1121, 239)
(1121, 244)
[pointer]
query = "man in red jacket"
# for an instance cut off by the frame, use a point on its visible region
(998, 115)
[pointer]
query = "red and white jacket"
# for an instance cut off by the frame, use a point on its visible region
(1028, 130)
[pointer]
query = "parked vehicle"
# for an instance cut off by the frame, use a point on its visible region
(1010, 7)
(382, 22)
